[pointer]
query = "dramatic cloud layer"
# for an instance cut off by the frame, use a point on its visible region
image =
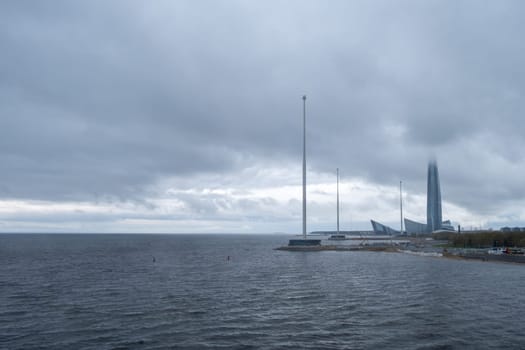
(185, 116)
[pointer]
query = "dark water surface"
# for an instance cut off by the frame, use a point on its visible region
(181, 291)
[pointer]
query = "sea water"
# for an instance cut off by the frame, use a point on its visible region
(236, 292)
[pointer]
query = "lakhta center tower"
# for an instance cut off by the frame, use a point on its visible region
(434, 219)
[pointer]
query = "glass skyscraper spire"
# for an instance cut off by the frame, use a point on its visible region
(434, 219)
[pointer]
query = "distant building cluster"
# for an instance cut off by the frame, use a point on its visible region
(434, 215)
(512, 229)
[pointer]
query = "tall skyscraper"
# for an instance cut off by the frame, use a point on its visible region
(434, 219)
(434, 216)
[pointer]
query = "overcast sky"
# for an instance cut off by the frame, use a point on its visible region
(186, 116)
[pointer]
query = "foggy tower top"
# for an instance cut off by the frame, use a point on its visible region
(434, 219)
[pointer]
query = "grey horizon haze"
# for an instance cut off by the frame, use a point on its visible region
(186, 116)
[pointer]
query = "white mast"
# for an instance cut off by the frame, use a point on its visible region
(304, 166)
(337, 200)
(401, 204)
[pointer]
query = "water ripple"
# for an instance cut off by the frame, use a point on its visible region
(105, 292)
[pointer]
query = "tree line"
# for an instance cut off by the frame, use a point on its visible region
(482, 239)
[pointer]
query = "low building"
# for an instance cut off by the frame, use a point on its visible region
(381, 229)
(415, 228)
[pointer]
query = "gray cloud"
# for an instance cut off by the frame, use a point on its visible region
(101, 100)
